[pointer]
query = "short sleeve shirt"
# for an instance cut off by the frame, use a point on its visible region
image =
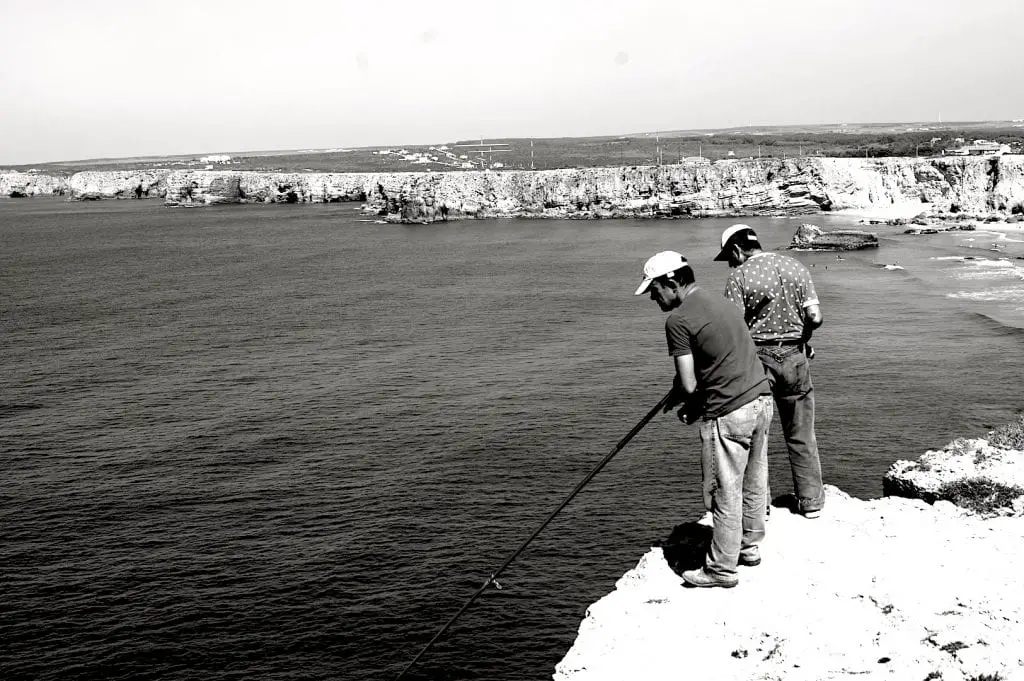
(729, 373)
(772, 290)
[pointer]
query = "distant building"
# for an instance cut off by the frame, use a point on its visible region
(215, 158)
(979, 148)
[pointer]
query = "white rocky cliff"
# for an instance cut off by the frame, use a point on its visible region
(965, 185)
(892, 588)
(769, 186)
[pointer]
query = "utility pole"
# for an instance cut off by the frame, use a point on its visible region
(532, 166)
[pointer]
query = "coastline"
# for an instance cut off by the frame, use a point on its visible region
(885, 189)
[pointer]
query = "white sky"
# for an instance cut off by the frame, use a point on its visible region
(109, 78)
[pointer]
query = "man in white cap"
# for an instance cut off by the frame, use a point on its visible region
(721, 382)
(781, 308)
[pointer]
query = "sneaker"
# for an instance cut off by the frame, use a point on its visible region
(750, 557)
(816, 513)
(702, 578)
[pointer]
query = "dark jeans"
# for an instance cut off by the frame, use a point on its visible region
(789, 373)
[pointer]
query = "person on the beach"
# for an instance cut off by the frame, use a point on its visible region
(781, 309)
(719, 380)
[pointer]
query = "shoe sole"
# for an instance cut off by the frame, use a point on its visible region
(708, 585)
(811, 515)
(750, 563)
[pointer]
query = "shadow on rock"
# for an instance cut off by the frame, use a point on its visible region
(788, 502)
(686, 547)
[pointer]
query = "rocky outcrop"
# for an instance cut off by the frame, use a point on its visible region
(987, 475)
(119, 184)
(21, 185)
(894, 588)
(813, 238)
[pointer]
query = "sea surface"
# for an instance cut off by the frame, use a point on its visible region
(285, 442)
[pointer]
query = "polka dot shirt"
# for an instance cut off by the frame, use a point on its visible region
(773, 290)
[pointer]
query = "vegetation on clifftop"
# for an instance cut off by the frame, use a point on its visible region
(502, 153)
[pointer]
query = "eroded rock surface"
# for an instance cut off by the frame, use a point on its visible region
(22, 185)
(118, 184)
(889, 588)
(968, 471)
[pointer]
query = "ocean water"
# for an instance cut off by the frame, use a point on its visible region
(284, 442)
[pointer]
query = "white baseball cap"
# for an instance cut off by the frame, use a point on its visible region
(658, 265)
(743, 235)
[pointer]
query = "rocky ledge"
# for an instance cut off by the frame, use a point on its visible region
(813, 238)
(893, 588)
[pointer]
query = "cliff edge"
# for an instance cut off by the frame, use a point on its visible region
(892, 588)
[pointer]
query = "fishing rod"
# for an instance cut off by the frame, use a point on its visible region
(492, 579)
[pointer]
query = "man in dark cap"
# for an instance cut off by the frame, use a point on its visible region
(781, 308)
(720, 380)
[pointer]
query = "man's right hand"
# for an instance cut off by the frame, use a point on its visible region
(676, 397)
(809, 351)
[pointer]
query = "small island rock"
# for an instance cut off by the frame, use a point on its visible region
(813, 238)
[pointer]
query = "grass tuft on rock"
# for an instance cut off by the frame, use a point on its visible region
(980, 495)
(1010, 436)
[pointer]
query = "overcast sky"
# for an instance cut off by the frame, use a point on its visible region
(111, 78)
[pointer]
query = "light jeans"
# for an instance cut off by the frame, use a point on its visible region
(734, 462)
(789, 373)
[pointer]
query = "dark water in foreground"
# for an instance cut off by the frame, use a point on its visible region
(281, 443)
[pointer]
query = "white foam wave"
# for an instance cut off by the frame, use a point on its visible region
(988, 270)
(992, 295)
(894, 267)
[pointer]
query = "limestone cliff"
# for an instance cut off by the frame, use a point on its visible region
(118, 184)
(890, 588)
(21, 185)
(771, 186)
(945, 185)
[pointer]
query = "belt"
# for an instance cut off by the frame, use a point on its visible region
(778, 343)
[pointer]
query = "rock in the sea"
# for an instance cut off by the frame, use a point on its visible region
(813, 238)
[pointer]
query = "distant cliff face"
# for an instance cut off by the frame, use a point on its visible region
(752, 187)
(965, 185)
(20, 185)
(118, 184)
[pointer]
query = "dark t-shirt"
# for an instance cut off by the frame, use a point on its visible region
(729, 373)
